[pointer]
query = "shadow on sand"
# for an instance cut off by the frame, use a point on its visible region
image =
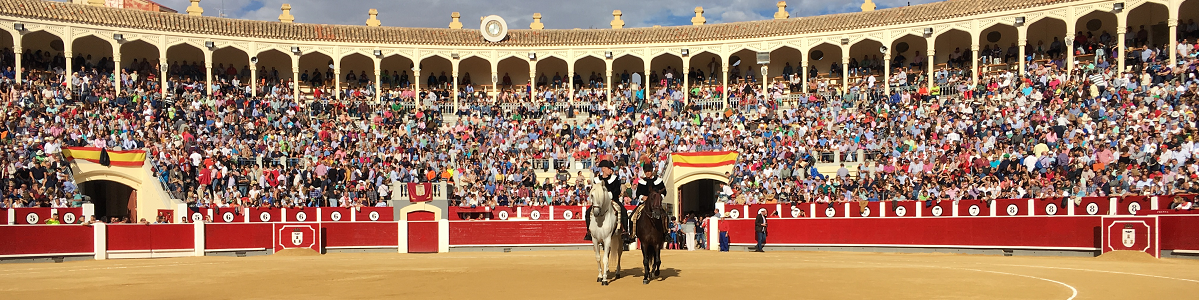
(639, 272)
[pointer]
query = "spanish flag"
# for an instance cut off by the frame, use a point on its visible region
(704, 159)
(128, 158)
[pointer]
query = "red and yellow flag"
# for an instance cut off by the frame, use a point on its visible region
(704, 159)
(127, 158)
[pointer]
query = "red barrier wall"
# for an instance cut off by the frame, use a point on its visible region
(335, 214)
(502, 213)
(575, 212)
(518, 232)
(301, 214)
(39, 215)
(893, 209)
(150, 236)
(936, 209)
(973, 208)
(805, 211)
(823, 210)
(1178, 232)
(4, 216)
(1011, 207)
(944, 231)
(535, 212)
(1093, 206)
(1132, 205)
(237, 236)
(1049, 207)
(258, 214)
(66, 239)
(228, 215)
(356, 234)
(376, 214)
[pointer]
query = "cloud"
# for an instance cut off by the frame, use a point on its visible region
(556, 14)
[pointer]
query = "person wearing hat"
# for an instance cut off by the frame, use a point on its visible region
(760, 230)
(649, 183)
(612, 184)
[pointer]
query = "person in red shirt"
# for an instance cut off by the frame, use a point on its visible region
(723, 227)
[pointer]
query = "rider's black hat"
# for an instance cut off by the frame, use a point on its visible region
(607, 164)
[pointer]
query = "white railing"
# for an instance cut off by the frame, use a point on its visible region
(709, 105)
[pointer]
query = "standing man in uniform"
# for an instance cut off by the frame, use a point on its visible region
(760, 229)
(612, 184)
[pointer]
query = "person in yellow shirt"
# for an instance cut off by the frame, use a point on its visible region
(53, 220)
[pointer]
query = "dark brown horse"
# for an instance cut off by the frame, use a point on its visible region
(651, 231)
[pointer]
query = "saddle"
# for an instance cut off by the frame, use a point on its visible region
(656, 213)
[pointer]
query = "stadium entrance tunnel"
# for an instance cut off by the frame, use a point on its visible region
(111, 199)
(698, 197)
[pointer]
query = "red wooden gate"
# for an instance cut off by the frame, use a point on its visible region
(422, 232)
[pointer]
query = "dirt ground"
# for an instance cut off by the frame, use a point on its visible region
(571, 275)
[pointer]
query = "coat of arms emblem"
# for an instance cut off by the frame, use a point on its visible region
(297, 237)
(1130, 236)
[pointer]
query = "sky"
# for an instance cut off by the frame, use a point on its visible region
(556, 14)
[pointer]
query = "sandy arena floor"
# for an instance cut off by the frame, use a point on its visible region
(571, 275)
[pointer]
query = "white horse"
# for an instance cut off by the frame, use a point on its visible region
(604, 235)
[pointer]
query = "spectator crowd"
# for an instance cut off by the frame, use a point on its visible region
(1044, 131)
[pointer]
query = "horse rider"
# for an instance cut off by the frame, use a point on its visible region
(612, 184)
(649, 183)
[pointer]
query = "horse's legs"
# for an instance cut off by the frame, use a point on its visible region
(657, 262)
(618, 249)
(604, 266)
(598, 261)
(647, 261)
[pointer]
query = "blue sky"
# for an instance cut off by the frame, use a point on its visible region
(556, 14)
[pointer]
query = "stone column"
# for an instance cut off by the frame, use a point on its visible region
(17, 49)
(608, 85)
(844, 72)
(974, 62)
(295, 77)
(116, 68)
(724, 76)
(253, 79)
(887, 72)
(1022, 42)
(208, 76)
(686, 71)
(67, 52)
(1121, 51)
(163, 65)
(932, 56)
(532, 77)
(208, 70)
(1174, 41)
(337, 78)
(416, 85)
(454, 85)
(803, 74)
(1069, 40)
(570, 82)
(645, 79)
(378, 84)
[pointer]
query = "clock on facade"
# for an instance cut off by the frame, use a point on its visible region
(493, 28)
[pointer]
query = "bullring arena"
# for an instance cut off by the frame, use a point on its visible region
(372, 187)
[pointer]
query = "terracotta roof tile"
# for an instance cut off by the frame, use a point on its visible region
(182, 23)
